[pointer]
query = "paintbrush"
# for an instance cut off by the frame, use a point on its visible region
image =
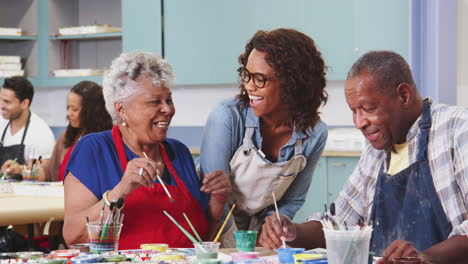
(189, 236)
(224, 224)
(278, 216)
(193, 228)
(162, 183)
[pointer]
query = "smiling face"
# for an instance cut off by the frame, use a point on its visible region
(264, 101)
(149, 112)
(74, 109)
(376, 114)
(11, 106)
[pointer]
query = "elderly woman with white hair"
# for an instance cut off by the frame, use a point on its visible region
(124, 163)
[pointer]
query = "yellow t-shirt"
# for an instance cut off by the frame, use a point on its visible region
(399, 158)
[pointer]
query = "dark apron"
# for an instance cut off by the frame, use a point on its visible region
(406, 205)
(13, 151)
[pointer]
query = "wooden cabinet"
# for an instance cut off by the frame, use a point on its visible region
(328, 180)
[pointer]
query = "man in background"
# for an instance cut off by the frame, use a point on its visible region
(24, 135)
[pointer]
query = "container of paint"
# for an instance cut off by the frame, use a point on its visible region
(245, 240)
(65, 253)
(113, 258)
(27, 255)
(206, 261)
(250, 261)
(81, 247)
(88, 258)
(285, 255)
(155, 246)
(206, 250)
(7, 255)
(300, 258)
(54, 261)
(170, 256)
(244, 255)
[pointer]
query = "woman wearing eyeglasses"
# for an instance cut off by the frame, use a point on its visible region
(270, 137)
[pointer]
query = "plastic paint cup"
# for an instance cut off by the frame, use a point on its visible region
(206, 261)
(285, 255)
(103, 238)
(7, 255)
(26, 255)
(65, 253)
(155, 246)
(348, 246)
(206, 250)
(407, 260)
(27, 175)
(244, 255)
(80, 247)
(250, 261)
(170, 256)
(300, 258)
(88, 258)
(245, 240)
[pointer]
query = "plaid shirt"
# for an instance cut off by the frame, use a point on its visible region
(448, 162)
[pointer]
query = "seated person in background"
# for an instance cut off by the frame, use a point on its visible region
(270, 137)
(24, 135)
(411, 182)
(86, 113)
(108, 165)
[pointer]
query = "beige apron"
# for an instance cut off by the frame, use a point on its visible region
(254, 179)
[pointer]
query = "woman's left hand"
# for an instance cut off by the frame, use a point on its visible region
(217, 184)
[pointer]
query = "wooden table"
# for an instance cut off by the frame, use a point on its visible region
(17, 210)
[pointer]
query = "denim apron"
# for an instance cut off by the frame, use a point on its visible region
(406, 205)
(14, 151)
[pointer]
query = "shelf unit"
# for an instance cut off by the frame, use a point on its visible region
(110, 35)
(24, 15)
(94, 51)
(4, 37)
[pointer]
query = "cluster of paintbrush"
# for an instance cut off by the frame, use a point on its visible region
(329, 221)
(110, 227)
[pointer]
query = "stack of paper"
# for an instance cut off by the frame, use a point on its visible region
(5, 31)
(77, 72)
(10, 66)
(92, 29)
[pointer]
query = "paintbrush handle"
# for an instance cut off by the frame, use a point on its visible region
(181, 228)
(193, 228)
(164, 186)
(224, 224)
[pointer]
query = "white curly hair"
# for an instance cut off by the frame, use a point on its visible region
(119, 82)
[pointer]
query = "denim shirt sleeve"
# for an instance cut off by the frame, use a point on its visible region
(221, 138)
(294, 197)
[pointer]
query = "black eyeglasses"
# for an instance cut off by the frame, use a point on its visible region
(259, 79)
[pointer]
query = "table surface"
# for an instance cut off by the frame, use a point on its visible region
(17, 210)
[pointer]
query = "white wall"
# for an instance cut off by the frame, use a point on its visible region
(193, 104)
(462, 82)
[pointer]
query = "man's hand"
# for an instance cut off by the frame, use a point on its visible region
(398, 249)
(274, 232)
(11, 167)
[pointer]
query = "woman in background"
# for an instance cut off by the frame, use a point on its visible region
(270, 137)
(86, 113)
